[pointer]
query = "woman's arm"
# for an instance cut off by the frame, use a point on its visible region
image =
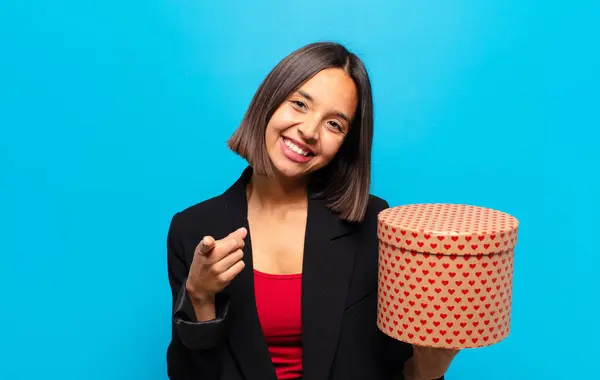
(194, 349)
(428, 363)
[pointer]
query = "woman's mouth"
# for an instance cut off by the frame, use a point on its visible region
(294, 152)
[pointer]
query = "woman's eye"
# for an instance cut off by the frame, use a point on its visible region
(298, 104)
(336, 126)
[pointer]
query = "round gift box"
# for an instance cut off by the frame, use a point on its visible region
(445, 274)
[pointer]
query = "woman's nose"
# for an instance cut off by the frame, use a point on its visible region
(310, 130)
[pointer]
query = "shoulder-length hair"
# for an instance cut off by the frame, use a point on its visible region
(345, 182)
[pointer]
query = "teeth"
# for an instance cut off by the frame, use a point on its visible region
(295, 147)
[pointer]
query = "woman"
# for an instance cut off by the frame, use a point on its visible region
(277, 277)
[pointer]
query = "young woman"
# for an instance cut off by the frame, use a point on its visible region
(276, 278)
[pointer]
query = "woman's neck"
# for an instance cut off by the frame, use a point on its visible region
(273, 194)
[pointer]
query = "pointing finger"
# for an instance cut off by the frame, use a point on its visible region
(206, 245)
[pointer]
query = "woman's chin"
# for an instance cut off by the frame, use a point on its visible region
(291, 170)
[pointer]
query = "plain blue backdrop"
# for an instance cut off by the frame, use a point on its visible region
(114, 115)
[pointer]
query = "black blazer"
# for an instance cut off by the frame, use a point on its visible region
(339, 300)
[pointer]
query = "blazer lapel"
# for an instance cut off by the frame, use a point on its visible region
(246, 339)
(327, 268)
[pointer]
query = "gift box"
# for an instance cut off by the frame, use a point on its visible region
(445, 274)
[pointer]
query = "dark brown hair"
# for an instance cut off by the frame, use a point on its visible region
(345, 181)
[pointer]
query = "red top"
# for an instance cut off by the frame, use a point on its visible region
(278, 301)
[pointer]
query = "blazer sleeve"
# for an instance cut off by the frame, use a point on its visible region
(194, 351)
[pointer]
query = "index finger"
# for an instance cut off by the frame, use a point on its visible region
(206, 245)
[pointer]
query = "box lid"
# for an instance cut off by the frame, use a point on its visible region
(447, 229)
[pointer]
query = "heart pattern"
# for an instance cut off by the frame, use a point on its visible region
(444, 297)
(448, 229)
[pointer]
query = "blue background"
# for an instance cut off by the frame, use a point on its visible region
(114, 115)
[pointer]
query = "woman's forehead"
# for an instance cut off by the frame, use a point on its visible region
(331, 88)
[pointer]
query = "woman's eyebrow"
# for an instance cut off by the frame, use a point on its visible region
(306, 95)
(310, 98)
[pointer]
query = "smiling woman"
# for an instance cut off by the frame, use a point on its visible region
(276, 278)
(307, 129)
(319, 98)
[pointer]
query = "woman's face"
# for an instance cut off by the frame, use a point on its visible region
(307, 130)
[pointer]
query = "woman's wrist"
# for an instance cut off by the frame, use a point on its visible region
(203, 304)
(204, 307)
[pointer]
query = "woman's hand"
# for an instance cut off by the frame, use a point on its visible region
(214, 265)
(428, 363)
